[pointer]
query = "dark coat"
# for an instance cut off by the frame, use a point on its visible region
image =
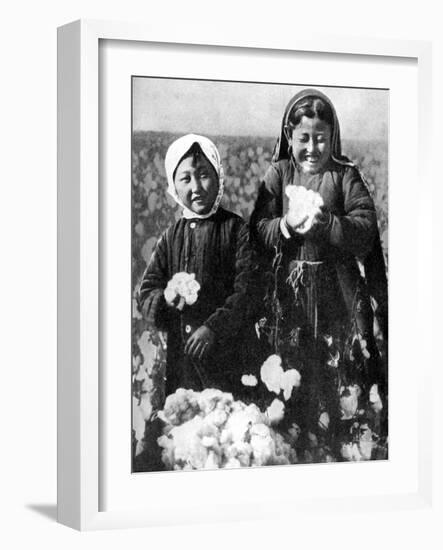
(348, 228)
(218, 251)
(337, 303)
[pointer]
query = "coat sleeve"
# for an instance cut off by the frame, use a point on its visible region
(242, 305)
(150, 295)
(267, 215)
(353, 232)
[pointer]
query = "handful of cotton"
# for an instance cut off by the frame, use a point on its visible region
(182, 289)
(304, 206)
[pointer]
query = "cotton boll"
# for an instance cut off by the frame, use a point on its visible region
(364, 348)
(349, 401)
(184, 285)
(375, 399)
(290, 379)
(323, 421)
(249, 380)
(303, 204)
(328, 339)
(271, 373)
(275, 411)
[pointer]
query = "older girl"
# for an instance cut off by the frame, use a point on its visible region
(315, 223)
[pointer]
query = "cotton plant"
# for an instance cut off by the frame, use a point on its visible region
(304, 206)
(210, 430)
(183, 286)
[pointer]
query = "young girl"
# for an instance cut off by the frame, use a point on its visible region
(210, 335)
(314, 222)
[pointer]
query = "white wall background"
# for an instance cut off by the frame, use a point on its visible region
(28, 271)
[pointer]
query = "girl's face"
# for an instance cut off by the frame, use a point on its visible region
(311, 144)
(196, 183)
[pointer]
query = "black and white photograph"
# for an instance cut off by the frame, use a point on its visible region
(259, 274)
(207, 209)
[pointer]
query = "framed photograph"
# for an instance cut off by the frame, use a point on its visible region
(225, 274)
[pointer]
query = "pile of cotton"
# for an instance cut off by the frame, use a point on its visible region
(209, 430)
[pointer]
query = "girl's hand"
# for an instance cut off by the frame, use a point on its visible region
(199, 343)
(177, 302)
(294, 221)
(320, 221)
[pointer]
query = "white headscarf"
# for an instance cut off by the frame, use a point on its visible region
(174, 155)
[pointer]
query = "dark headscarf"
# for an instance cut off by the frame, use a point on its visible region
(374, 264)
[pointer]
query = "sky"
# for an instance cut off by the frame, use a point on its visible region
(232, 108)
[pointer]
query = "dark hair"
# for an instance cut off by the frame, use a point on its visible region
(195, 152)
(311, 107)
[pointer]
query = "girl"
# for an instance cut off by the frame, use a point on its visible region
(210, 337)
(321, 320)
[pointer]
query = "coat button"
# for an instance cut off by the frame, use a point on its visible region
(192, 225)
(188, 329)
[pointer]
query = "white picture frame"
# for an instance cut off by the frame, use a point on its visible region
(79, 291)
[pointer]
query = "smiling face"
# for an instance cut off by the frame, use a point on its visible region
(311, 144)
(196, 183)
